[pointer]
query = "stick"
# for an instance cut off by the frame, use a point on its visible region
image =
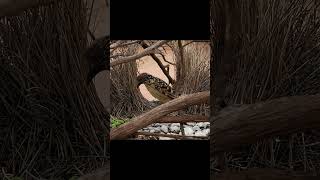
(158, 112)
(146, 52)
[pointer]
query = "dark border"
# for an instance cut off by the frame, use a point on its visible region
(155, 20)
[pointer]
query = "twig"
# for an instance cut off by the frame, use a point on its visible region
(291, 152)
(146, 52)
(117, 55)
(117, 45)
(188, 43)
(165, 60)
(114, 43)
(32, 175)
(5, 174)
(304, 154)
(158, 61)
(91, 35)
(90, 15)
(182, 62)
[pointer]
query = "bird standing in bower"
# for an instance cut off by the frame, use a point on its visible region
(158, 88)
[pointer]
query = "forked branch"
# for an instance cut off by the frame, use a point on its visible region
(158, 61)
(146, 52)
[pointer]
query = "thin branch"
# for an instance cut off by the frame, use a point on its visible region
(151, 116)
(158, 61)
(116, 45)
(91, 35)
(146, 52)
(181, 51)
(181, 62)
(117, 55)
(165, 60)
(187, 44)
(90, 14)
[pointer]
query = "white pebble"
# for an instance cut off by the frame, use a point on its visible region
(156, 129)
(206, 132)
(164, 128)
(196, 128)
(175, 129)
(200, 133)
(152, 130)
(201, 124)
(188, 131)
(207, 124)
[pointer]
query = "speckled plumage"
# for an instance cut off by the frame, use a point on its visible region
(157, 87)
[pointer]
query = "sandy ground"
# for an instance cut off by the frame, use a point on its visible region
(148, 65)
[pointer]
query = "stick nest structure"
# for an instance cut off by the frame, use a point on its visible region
(52, 123)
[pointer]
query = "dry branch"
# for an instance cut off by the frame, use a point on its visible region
(158, 61)
(187, 43)
(146, 52)
(13, 7)
(151, 116)
(123, 43)
(165, 60)
(236, 126)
